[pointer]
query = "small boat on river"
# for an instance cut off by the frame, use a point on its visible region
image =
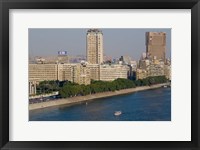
(117, 113)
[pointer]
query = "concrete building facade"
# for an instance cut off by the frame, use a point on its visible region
(141, 74)
(77, 73)
(113, 71)
(156, 45)
(155, 67)
(94, 46)
(94, 71)
(43, 71)
(155, 70)
(167, 71)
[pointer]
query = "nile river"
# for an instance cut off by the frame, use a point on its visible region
(149, 105)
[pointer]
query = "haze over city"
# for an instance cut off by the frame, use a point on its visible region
(116, 42)
(98, 71)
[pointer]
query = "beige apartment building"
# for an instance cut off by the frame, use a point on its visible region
(84, 74)
(167, 71)
(141, 74)
(94, 71)
(94, 46)
(113, 71)
(153, 68)
(43, 71)
(151, 71)
(144, 63)
(156, 45)
(77, 73)
(67, 72)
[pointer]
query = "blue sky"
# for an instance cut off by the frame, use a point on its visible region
(117, 41)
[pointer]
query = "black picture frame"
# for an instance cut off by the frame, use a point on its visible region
(5, 5)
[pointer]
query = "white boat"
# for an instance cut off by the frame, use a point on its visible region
(165, 86)
(117, 113)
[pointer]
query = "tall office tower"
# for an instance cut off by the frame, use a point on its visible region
(94, 46)
(156, 45)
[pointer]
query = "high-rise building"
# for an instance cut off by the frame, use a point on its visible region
(94, 46)
(156, 45)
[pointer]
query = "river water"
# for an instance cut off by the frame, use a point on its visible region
(150, 105)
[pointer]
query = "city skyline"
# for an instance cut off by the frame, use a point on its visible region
(113, 67)
(117, 42)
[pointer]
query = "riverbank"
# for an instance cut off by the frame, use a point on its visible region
(79, 99)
